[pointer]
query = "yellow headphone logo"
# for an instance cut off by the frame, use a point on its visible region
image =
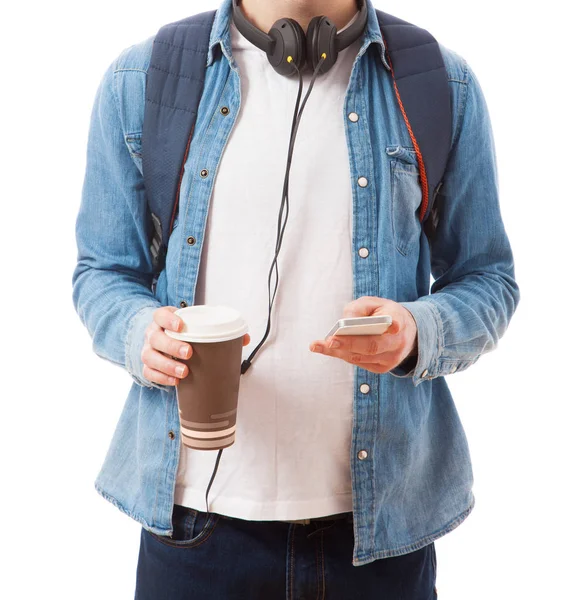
(290, 58)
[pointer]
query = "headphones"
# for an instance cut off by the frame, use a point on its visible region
(287, 41)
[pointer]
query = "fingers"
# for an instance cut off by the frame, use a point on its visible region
(164, 343)
(164, 318)
(368, 345)
(156, 361)
(382, 367)
(160, 349)
(373, 352)
(158, 377)
(378, 363)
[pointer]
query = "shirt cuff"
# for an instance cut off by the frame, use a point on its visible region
(430, 335)
(406, 367)
(134, 342)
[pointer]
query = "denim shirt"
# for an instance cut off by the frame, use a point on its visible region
(413, 483)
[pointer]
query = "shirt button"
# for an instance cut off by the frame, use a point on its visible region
(183, 304)
(363, 252)
(424, 373)
(362, 454)
(204, 173)
(191, 240)
(364, 388)
(362, 181)
(171, 435)
(225, 110)
(353, 117)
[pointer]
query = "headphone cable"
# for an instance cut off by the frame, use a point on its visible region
(285, 199)
(280, 228)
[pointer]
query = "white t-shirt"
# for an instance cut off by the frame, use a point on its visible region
(291, 456)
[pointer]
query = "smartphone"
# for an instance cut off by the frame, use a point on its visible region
(361, 326)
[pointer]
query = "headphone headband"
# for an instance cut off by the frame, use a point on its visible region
(250, 31)
(352, 33)
(267, 43)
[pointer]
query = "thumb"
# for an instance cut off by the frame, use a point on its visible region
(395, 327)
(364, 306)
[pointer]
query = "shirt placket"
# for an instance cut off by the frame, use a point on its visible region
(202, 168)
(365, 283)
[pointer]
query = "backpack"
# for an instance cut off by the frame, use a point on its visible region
(174, 86)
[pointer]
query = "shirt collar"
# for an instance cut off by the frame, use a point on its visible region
(220, 33)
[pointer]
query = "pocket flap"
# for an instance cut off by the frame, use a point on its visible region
(403, 153)
(134, 144)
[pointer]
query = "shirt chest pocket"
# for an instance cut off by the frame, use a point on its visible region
(406, 198)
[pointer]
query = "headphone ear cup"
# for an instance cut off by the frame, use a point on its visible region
(290, 40)
(311, 44)
(321, 37)
(301, 44)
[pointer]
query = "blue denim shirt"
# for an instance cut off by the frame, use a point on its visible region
(415, 482)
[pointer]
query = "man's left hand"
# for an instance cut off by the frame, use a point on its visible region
(375, 353)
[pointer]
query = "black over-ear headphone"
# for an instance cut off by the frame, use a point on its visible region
(287, 41)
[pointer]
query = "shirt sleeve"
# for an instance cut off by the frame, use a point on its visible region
(113, 276)
(474, 293)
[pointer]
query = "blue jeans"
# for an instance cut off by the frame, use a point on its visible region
(216, 557)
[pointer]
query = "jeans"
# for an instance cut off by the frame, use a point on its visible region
(213, 556)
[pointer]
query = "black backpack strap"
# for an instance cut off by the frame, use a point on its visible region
(174, 84)
(422, 90)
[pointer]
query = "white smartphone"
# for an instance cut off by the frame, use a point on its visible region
(361, 326)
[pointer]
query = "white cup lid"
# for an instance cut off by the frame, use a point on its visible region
(203, 323)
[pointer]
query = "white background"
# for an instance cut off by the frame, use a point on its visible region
(61, 402)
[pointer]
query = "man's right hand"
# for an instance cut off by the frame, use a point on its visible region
(159, 350)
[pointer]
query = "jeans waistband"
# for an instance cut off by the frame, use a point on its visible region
(336, 517)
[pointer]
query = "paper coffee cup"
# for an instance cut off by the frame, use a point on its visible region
(208, 396)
